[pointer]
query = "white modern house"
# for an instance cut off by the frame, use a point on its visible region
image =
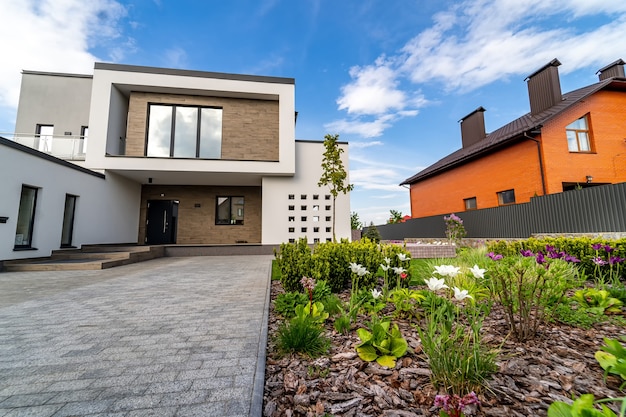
(155, 156)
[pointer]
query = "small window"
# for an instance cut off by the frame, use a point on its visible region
(44, 138)
(316, 208)
(316, 240)
(302, 207)
(292, 207)
(578, 135)
(328, 239)
(303, 218)
(316, 218)
(506, 197)
(316, 229)
(327, 196)
(291, 196)
(302, 196)
(470, 203)
(328, 218)
(26, 218)
(303, 230)
(316, 196)
(292, 229)
(328, 208)
(292, 218)
(328, 230)
(229, 210)
(292, 240)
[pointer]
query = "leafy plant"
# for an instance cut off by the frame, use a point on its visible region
(577, 316)
(302, 335)
(294, 262)
(286, 303)
(384, 343)
(584, 407)
(315, 312)
(455, 231)
(342, 323)
(529, 290)
(405, 301)
(372, 233)
(612, 358)
(598, 301)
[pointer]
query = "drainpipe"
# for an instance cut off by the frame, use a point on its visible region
(535, 132)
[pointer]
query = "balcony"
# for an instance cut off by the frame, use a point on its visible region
(67, 147)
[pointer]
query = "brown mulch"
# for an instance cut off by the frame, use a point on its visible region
(555, 365)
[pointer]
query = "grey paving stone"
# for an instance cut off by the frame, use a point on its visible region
(83, 408)
(26, 400)
(38, 411)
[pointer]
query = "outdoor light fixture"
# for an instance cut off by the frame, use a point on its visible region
(589, 179)
(149, 180)
(3, 219)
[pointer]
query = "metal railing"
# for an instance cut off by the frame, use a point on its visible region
(68, 147)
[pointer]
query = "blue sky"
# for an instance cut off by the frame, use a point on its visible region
(391, 77)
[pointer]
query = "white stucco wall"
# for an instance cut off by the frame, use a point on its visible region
(107, 210)
(276, 202)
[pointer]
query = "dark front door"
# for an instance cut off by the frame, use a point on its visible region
(161, 222)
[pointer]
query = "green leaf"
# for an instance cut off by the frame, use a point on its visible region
(398, 347)
(606, 360)
(364, 335)
(560, 409)
(388, 361)
(367, 353)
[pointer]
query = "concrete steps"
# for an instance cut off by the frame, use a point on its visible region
(89, 257)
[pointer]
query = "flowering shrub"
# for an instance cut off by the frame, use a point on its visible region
(455, 231)
(454, 406)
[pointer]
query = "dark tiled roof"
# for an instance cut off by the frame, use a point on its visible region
(511, 131)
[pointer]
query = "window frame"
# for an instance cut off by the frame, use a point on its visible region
(577, 134)
(239, 219)
(502, 194)
(31, 220)
(172, 133)
(469, 206)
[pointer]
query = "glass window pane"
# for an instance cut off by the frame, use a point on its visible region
(572, 143)
(223, 211)
(185, 132)
(159, 131)
(211, 133)
(237, 210)
(26, 217)
(68, 220)
(583, 141)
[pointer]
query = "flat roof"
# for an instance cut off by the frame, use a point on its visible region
(193, 73)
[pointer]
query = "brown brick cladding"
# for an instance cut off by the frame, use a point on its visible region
(517, 167)
(196, 225)
(249, 127)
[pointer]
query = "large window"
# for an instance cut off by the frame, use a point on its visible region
(229, 210)
(578, 135)
(44, 137)
(506, 197)
(26, 218)
(184, 132)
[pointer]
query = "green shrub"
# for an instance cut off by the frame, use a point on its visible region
(302, 335)
(294, 262)
(577, 316)
(330, 262)
(529, 291)
(332, 304)
(286, 303)
(342, 323)
(372, 233)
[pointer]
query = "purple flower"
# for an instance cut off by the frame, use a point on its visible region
(494, 256)
(527, 253)
(597, 246)
(608, 249)
(570, 258)
(599, 261)
(550, 248)
(615, 260)
(540, 258)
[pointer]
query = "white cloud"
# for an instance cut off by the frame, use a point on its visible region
(368, 129)
(362, 145)
(53, 35)
(175, 57)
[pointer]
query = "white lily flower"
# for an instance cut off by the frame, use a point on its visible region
(362, 271)
(402, 257)
(435, 284)
(398, 270)
(461, 294)
(447, 270)
(385, 267)
(354, 267)
(477, 272)
(387, 261)
(376, 293)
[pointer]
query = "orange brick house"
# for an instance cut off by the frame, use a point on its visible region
(566, 141)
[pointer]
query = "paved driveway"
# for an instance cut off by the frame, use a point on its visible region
(168, 337)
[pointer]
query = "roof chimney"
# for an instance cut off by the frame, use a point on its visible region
(473, 127)
(544, 87)
(614, 69)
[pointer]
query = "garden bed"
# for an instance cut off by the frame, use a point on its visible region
(556, 365)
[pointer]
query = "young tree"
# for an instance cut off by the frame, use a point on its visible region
(394, 217)
(372, 233)
(355, 222)
(334, 174)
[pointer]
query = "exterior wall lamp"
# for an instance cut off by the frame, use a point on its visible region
(589, 179)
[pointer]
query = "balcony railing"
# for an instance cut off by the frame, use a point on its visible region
(68, 147)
